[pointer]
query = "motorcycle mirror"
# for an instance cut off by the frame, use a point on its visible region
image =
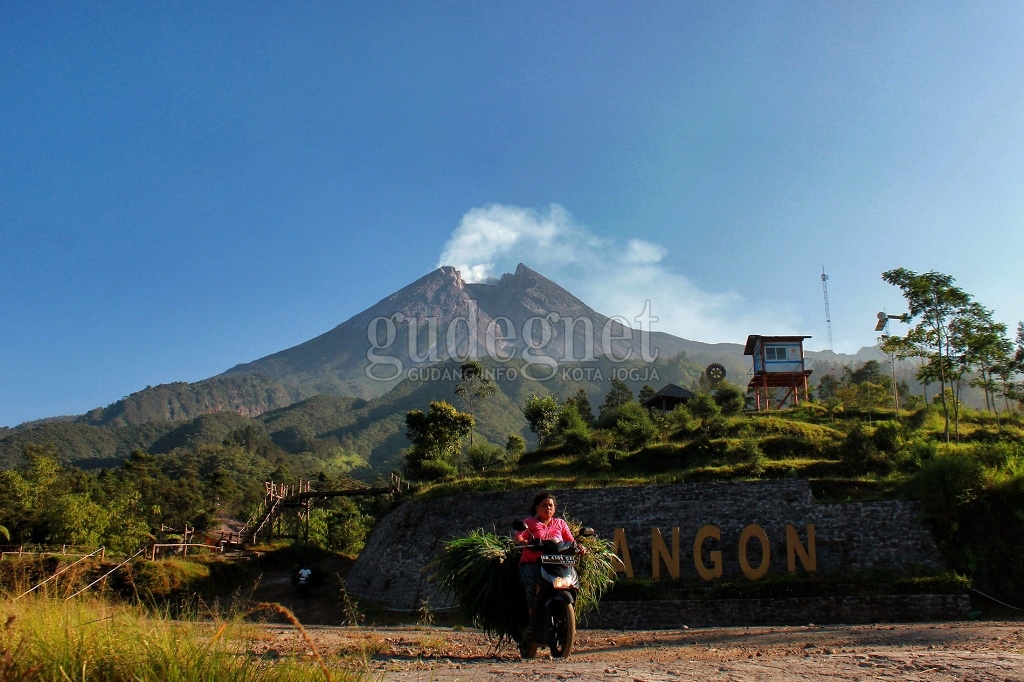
(518, 524)
(588, 532)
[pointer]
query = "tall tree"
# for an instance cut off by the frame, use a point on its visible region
(934, 301)
(474, 387)
(581, 401)
(979, 344)
(617, 396)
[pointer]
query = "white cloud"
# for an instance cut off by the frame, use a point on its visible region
(613, 278)
(639, 252)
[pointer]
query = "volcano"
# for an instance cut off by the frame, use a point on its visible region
(441, 317)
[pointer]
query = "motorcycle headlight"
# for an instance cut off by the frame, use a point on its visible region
(562, 583)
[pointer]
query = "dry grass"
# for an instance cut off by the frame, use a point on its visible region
(92, 641)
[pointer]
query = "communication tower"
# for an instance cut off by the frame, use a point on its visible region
(828, 316)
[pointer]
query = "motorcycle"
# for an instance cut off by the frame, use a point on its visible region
(554, 614)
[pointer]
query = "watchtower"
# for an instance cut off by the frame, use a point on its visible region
(780, 371)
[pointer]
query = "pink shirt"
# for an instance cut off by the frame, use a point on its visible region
(555, 529)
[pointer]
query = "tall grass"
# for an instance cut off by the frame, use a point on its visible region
(92, 641)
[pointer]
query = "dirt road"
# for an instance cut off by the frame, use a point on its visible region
(984, 652)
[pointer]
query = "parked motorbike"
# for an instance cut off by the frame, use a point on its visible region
(554, 614)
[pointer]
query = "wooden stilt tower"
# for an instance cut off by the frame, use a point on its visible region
(780, 371)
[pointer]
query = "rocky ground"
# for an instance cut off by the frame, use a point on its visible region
(982, 651)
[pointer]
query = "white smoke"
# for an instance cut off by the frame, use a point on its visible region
(613, 278)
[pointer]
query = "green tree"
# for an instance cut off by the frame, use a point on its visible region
(1006, 371)
(704, 408)
(981, 346)
(436, 439)
(933, 300)
(515, 446)
(827, 387)
(573, 430)
(542, 416)
(633, 426)
(581, 401)
(869, 372)
(618, 395)
(729, 398)
(474, 387)
(866, 396)
(27, 493)
(347, 526)
(75, 519)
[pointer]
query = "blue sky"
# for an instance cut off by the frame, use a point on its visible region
(186, 186)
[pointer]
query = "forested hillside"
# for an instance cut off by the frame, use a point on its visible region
(249, 394)
(322, 425)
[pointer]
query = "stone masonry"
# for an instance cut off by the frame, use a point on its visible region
(391, 571)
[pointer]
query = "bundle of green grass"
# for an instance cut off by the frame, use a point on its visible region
(480, 570)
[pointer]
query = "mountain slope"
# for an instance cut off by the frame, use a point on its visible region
(439, 317)
(248, 394)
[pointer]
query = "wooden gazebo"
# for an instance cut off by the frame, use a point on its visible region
(668, 398)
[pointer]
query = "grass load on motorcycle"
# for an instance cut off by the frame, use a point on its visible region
(528, 588)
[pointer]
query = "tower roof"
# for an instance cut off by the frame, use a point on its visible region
(753, 340)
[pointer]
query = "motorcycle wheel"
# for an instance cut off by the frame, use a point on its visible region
(563, 629)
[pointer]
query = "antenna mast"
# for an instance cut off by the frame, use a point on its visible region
(828, 316)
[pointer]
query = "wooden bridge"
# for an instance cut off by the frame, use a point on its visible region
(266, 520)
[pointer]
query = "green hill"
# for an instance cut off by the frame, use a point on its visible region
(249, 394)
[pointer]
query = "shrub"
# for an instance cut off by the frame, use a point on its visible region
(597, 460)
(858, 449)
(949, 482)
(680, 419)
(578, 442)
(432, 470)
(634, 426)
(569, 419)
(704, 408)
(651, 459)
(716, 427)
(704, 450)
(482, 455)
(920, 450)
(888, 436)
(729, 398)
(748, 453)
(786, 446)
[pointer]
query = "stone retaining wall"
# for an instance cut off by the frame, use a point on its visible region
(879, 535)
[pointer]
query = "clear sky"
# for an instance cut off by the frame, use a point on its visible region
(188, 186)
